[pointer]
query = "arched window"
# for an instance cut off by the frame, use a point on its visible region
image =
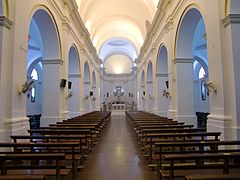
(34, 74)
(33, 93)
(202, 73)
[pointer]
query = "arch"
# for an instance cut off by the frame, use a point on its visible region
(74, 63)
(234, 7)
(186, 31)
(93, 79)
(143, 78)
(150, 71)
(46, 24)
(86, 72)
(162, 61)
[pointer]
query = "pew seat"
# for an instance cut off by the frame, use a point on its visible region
(22, 177)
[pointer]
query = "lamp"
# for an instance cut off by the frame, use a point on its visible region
(70, 94)
(210, 86)
(26, 86)
(166, 94)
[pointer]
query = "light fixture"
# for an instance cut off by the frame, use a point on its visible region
(166, 94)
(210, 86)
(27, 86)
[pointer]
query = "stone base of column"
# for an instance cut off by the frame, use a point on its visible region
(218, 123)
(14, 126)
(187, 119)
(45, 121)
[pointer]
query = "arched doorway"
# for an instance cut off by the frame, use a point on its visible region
(191, 42)
(86, 87)
(150, 87)
(162, 77)
(73, 82)
(43, 67)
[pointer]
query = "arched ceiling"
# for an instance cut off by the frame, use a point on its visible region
(117, 26)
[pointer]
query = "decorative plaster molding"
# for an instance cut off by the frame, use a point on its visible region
(149, 82)
(231, 19)
(162, 75)
(77, 75)
(52, 61)
(16, 120)
(5, 22)
(183, 60)
(219, 117)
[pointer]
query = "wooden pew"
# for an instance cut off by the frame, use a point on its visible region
(214, 177)
(179, 171)
(32, 156)
(22, 177)
(50, 148)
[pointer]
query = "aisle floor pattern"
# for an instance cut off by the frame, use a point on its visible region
(116, 156)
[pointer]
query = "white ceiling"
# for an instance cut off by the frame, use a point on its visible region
(117, 26)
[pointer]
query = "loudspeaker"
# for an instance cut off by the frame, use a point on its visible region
(107, 94)
(91, 93)
(69, 85)
(166, 82)
(63, 83)
(144, 93)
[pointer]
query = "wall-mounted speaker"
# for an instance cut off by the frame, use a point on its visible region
(63, 83)
(91, 93)
(167, 85)
(69, 85)
(144, 93)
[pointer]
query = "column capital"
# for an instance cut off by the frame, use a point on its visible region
(52, 61)
(183, 60)
(162, 75)
(231, 19)
(76, 75)
(5, 22)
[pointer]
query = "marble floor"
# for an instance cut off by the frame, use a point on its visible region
(116, 157)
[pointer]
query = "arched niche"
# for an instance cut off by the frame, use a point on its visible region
(73, 82)
(43, 42)
(162, 80)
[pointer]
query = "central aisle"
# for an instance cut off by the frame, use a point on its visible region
(116, 156)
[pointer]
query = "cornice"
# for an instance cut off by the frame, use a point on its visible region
(5, 22)
(231, 19)
(183, 60)
(162, 75)
(52, 61)
(76, 75)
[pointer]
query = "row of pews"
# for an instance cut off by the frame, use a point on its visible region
(179, 151)
(58, 151)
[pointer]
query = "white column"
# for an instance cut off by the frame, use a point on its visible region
(184, 91)
(163, 101)
(8, 122)
(74, 99)
(52, 93)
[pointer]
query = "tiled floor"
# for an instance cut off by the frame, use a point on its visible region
(116, 157)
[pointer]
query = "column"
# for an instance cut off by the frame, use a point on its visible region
(163, 100)
(184, 91)
(52, 93)
(74, 95)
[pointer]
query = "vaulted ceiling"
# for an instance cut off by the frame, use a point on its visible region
(117, 26)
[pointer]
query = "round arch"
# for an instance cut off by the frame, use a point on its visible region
(143, 78)
(74, 61)
(162, 61)
(86, 72)
(47, 26)
(185, 31)
(150, 71)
